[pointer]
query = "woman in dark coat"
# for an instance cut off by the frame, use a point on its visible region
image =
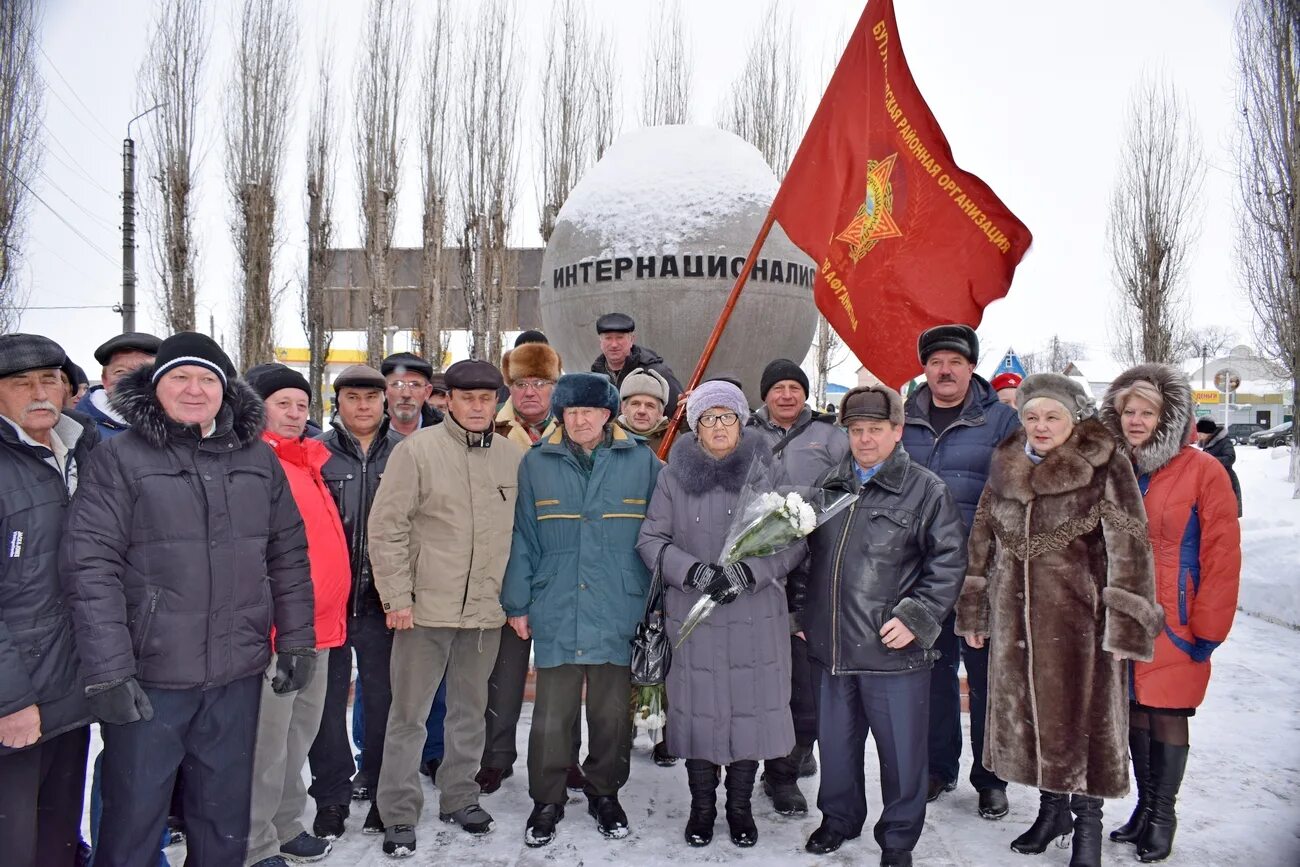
(729, 683)
(1061, 583)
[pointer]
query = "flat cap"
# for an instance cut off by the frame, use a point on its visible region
(75, 374)
(954, 338)
(615, 322)
(130, 341)
(360, 376)
(874, 402)
(473, 374)
(439, 382)
(404, 361)
(20, 353)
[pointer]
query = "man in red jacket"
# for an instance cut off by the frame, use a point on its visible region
(288, 723)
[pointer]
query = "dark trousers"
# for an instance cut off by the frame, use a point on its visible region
(506, 701)
(211, 734)
(330, 757)
(609, 730)
(803, 708)
(41, 794)
(892, 708)
(945, 709)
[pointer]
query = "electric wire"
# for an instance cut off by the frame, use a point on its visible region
(62, 218)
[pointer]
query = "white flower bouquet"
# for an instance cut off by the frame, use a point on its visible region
(649, 714)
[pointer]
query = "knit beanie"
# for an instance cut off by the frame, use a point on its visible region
(1206, 426)
(192, 348)
(716, 393)
(267, 379)
(778, 370)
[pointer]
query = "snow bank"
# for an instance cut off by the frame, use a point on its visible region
(1270, 536)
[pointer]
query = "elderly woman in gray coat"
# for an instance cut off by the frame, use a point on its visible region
(729, 683)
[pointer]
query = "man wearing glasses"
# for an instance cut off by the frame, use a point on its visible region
(409, 380)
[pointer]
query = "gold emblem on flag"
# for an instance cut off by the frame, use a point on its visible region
(875, 218)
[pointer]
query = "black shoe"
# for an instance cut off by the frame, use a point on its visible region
(541, 824)
(1139, 747)
(473, 819)
(329, 821)
(490, 779)
(938, 787)
(1054, 821)
(786, 797)
(373, 824)
(306, 848)
(575, 780)
(739, 784)
(430, 768)
(824, 841)
(702, 777)
(611, 821)
(399, 841)
(1168, 764)
(273, 861)
(1086, 850)
(83, 854)
(808, 766)
(360, 788)
(993, 804)
(895, 858)
(662, 757)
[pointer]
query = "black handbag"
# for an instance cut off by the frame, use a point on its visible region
(652, 652)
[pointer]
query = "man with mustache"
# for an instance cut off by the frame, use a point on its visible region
(409, 379)
(953, 423)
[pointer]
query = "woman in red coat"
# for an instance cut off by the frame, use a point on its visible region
(1192, 522)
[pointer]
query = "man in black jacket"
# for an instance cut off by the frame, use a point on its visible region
(184, 550)
(44, 719)
(885, 574)
(360, 441)
(620, 355)
(1214, 441)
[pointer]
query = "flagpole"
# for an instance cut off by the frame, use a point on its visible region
(718, 327)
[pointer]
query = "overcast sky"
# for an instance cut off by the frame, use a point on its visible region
(1032, 97)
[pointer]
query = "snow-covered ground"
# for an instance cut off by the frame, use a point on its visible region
(1240, 803)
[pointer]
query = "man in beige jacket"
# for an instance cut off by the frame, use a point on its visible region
(439, 540)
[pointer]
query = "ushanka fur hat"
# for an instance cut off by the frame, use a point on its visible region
(582, 389)
(1060, 388)
(531, 361)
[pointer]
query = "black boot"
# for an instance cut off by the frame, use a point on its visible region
(781, 782)
(1139, 747)
(1087, 831)
(1168, 762)
(702, 777)
(740, 815)
(1054, 820)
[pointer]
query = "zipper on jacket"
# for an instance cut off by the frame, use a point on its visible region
(469, 573)
(835, 587)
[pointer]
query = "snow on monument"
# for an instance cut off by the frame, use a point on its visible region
(659, 229)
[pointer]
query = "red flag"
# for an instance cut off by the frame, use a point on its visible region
(902, 238)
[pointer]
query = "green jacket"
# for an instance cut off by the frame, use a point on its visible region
(573, 568)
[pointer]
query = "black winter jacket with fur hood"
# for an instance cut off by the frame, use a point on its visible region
(182, 553)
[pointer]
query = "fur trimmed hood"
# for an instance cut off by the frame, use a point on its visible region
(1173, 428)
(1067, 467)
(698, 471)
(242, 411)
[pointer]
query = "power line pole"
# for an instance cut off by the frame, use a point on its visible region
(128, 224)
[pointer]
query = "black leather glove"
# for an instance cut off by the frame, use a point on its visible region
(119, 702)
(730, 581)
(293, 670)
(700, 576)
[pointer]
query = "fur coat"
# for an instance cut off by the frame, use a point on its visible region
(1061, 582)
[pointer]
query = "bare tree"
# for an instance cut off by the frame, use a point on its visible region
(380, 78)
(322, 166)
(1054, 357)
(1268, 51)
(765, 104)
(828, 352)
(1152, 223)
(171, 78)
(667, 71)
(566, 120)
(1210, 341)
(21, 89)
(606, 90)
(258, 103)
(489, 140)
(436, 146)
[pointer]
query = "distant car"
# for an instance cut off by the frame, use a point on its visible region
(1274, 436)
(1240, 433)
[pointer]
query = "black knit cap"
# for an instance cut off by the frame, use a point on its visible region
(473, 374)
(1206, 426)
(954, 338)
(406, 361)
(130, 341)
(267, 379)
(190, 347)
(532, 335)
(779, 370)
(20, 353)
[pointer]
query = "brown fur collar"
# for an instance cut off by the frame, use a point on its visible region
(1067, 467)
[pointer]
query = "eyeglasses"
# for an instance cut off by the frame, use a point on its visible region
(727, 419)
(402, 385)
(531, 384)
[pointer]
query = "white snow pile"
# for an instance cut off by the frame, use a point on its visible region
(1270, 536)
(666, 189)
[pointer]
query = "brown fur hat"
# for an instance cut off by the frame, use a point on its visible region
(531, 361)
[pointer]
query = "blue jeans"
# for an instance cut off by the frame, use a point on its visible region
(97, 810)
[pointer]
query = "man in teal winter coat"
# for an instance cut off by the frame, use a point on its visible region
(576, 585)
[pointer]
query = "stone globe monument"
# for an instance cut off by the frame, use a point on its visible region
(659, 229)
